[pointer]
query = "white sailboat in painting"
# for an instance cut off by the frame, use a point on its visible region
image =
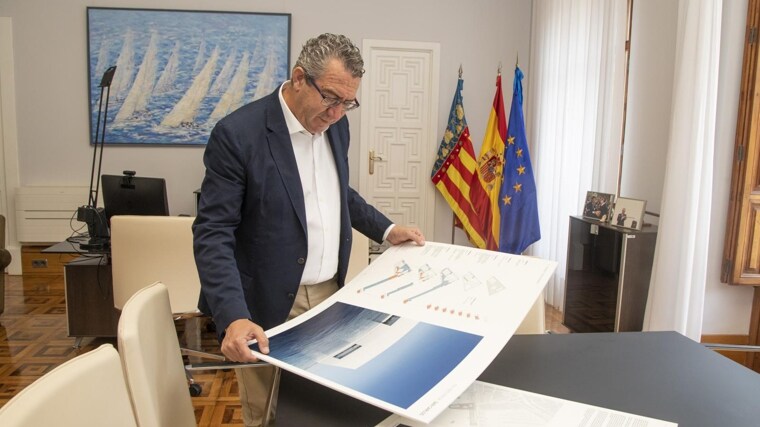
(232, 98)
(125, 66)
(169, 74)
(184, 112)
(142, 88)
(267, 77)
(223, 79)
(199, 57)
(103, 58)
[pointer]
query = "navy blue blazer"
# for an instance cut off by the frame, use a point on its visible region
(249, 235)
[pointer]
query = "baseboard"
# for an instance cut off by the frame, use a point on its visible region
(737, 356)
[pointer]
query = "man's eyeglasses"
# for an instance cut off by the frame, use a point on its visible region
(330, 101)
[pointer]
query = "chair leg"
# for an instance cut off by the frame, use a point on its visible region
(194, 388)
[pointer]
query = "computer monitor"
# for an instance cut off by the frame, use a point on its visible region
(133, 195)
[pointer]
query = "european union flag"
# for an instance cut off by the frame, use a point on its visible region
(517, 197)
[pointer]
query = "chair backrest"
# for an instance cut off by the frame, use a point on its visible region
(152, 362)
(147, 249)
(359, 255)
(88, 390)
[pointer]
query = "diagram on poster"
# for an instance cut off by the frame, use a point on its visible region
(413, 330)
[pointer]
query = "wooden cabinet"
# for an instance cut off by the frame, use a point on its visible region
(90, 311)
(607, 280)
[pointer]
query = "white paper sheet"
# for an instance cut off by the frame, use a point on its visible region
(413, 330)
(489, 405)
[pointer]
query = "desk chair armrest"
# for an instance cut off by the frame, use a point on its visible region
(220, 361)
(223, 365)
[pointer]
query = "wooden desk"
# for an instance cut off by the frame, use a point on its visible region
(90, 309)
(655, 374)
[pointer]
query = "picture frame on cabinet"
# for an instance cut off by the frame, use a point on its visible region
(629, 213)
(598, 206)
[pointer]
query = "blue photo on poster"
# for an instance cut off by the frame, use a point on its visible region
(179, 72)
(384, 356)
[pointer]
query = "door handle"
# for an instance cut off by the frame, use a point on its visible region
(372, 159)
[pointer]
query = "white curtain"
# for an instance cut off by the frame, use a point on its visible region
(574, 114)
(677, 288)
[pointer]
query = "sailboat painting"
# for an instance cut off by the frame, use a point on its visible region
(178, 71)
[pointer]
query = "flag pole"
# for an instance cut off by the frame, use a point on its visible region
(453, 225)
(453, 215)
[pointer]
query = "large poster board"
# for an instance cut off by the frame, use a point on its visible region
(413, 330)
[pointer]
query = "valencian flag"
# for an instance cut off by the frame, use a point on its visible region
(519, 206)
(491, 162)
(455, 173)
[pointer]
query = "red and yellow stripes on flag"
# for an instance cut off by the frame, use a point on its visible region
(491, 165)
(455, 174)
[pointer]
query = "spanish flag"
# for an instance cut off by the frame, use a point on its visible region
(491, 165)
(455, 174)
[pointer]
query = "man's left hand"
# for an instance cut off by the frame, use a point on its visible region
(400, 234)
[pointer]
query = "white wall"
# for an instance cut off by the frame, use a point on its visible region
(51, 77)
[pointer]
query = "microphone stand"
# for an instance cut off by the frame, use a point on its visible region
(91, 214)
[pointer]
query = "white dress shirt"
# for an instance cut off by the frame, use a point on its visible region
(319, 180)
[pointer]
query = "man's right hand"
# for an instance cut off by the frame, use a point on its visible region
(236, 337)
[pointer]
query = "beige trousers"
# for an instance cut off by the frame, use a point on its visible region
(255, 383)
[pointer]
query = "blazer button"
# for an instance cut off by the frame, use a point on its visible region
(302, 261)
(291, 295)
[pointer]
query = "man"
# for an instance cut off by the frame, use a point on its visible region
(621, 218)
(273, 232)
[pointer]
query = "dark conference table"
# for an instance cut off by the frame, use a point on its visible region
(662, 375)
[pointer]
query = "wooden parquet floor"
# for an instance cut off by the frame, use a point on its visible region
(34, 340)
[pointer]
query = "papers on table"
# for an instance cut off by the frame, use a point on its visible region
(489, 405)
(413, 330)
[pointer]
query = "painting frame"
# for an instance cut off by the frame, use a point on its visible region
(179, 71)
(629, 213)
(598, 206)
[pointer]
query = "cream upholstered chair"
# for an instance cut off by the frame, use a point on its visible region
(152, 362)
(359, 255)
(147, 249)
(88, 390)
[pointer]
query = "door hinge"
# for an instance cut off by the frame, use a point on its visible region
(752, 35)
(740, 153)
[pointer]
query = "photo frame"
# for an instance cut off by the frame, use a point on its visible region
(598, 206)
(179, 71)
(629, 213)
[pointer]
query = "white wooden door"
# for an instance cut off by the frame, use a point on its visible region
(399, 121)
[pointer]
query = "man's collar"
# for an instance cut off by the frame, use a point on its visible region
(294, 126)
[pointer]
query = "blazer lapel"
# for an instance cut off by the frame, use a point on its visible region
(284, 158)
(340, 151)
